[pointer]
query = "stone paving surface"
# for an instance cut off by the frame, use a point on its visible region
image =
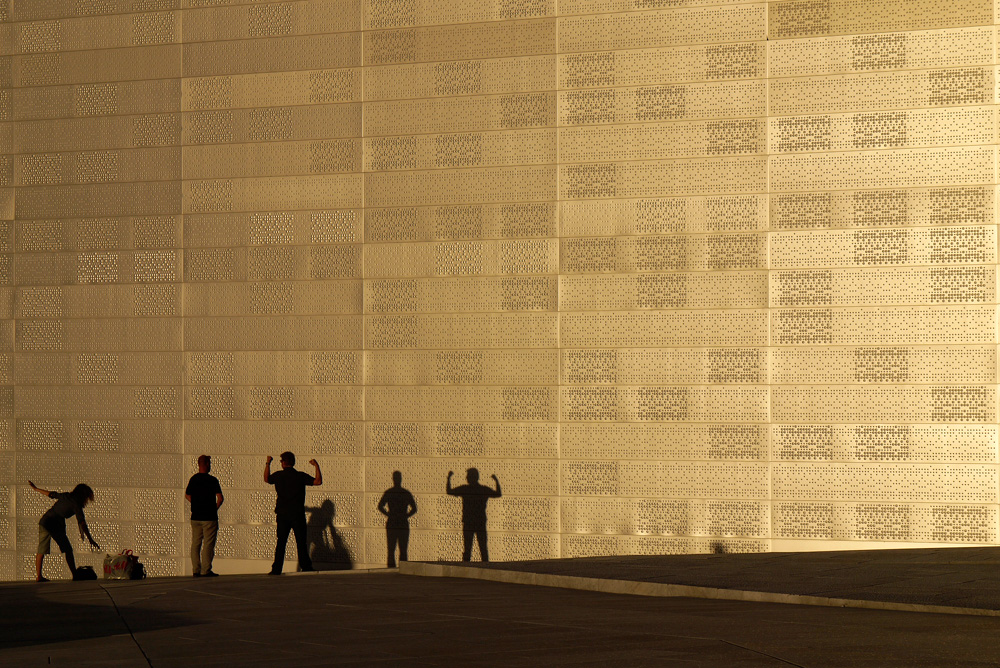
(958, 577)
(388, 619)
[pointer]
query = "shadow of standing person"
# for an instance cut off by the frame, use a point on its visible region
(326, 554)
(398, 506)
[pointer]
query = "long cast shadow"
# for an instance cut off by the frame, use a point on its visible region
(45, 614)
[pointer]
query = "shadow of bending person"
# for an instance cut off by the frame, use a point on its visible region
(398, 506)
(326, 546)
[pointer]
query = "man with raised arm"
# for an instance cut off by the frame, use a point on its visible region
(290, 508)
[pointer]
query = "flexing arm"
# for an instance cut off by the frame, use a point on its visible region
(496, 481)
(319, 474)
(383, 504)
(447, 484)
(412, 507)
(43, 492)
(267, 469)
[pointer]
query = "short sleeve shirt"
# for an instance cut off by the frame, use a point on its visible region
(64, 507)
(290, 486)
(202, 488)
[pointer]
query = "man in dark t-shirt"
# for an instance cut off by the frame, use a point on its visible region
(290, 508)
(398, 506)
(474, 499)
(205, 496)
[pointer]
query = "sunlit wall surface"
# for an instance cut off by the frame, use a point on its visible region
(686, 276)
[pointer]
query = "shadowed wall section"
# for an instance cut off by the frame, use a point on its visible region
(686, 276)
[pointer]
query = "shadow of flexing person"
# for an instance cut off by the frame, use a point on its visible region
(474, 499)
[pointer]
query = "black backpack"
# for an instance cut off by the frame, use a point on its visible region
(84, 573)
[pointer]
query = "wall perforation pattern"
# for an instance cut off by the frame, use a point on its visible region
(687, 276)
(460, 42)
(670, 27)
(890, 51)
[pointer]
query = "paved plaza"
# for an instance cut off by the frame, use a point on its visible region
(386, 618)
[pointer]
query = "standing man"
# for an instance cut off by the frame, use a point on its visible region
(290, 508)
(205, 496)
(474, 498)
(398, 506)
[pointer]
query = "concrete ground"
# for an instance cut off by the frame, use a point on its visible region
(389, 619)
(957, 580)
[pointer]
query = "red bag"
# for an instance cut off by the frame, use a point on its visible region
(125, 566)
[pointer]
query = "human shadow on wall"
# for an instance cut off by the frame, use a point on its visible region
(474, 497)
(398, 506)
(326, 546)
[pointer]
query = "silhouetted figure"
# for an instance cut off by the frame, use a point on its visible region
(474, 499)
(204, 494)
(290, 508)
(326, 555)
(398, 506)
(52, 525)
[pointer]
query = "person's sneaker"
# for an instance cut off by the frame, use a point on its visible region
(210, 574)
(274, 572)
(42, 579)
(196, 574)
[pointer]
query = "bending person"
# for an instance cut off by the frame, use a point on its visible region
(52, 525)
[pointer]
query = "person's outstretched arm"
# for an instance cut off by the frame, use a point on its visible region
(318, 478)
(267, 470)
(43, 492)
(85, 530)
(447, 484)
(496, 481)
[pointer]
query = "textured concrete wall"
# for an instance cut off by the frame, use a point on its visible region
(686, 276)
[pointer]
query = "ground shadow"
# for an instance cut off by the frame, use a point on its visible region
(326, 546)
(42, 614)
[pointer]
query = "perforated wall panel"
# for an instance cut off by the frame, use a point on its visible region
(685, 276)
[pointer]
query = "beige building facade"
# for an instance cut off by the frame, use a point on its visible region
(686, 275)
